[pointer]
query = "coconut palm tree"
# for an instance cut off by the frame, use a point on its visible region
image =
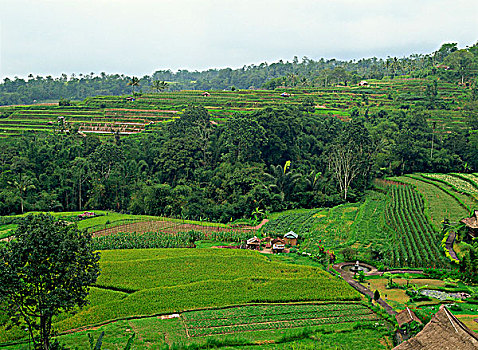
(281, 180)
(159, 85)
(22, 185)
(133, 82)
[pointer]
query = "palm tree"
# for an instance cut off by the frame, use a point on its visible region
(133, 82)
(22, 186)
(159, 85)
(281, 180)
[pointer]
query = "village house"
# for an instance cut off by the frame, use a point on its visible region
(444, 331)
(278, 245)
(472, 224)
(290, 238)
(253, 243)
(406, 316)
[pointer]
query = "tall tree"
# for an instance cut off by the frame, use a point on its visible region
(133, 83)
(159, 85)
(22, 184)
(47, 269)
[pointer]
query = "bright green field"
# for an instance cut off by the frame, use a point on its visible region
(441, 201)
(155, 333)
(160, 281)
(357, 225)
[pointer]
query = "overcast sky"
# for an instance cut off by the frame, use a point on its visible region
(141, 36)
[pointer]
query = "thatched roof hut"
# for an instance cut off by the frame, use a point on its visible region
(406, 316)
(444, 332)
(472, 224)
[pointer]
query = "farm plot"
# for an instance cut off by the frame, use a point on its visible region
(360, 225)
(168, 226)
(267, 317)
(144, 282)
(438, 202)
(414, 242)
(464, 191)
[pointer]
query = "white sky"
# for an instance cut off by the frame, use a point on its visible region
(141, 36)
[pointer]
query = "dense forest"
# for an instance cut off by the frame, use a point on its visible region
(448, 63)
(270, 160)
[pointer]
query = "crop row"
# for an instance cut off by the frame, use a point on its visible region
(415, 243)
(274, 318)
(258, 310)
(197, 332)
(458, 184)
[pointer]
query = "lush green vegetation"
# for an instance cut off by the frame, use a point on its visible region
(158, 281)
(170, 334)
(254, 318)
(414, 242)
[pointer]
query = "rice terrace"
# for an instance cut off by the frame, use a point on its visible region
(303, 204)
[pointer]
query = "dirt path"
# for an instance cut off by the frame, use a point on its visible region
(449, 245)
(348, 277)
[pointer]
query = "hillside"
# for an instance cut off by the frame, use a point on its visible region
(129, 285)
(147, 112)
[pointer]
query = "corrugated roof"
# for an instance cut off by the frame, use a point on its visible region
(291, 234)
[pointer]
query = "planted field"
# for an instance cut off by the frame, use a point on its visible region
(414, 243)
(439, 203)
(111, 114)
(360, 225)
(266, 317)
(159, 281)
(172, 226)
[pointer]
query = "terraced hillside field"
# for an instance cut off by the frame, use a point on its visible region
(163, 281)
(124, 115)
(451, 196)
(358, 225)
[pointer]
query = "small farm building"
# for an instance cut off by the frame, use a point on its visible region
(278, 245)
(285, 94)
(253, 243)
(444, 331)
(206, 94)
(267, 242)
(363, 83)
(472, 224)
(406, 316)
(291, 238)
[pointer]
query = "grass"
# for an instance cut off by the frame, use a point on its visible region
(160, 281)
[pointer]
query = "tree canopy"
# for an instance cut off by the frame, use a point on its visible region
(46, 270)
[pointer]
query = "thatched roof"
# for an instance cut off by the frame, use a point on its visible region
(471, 222)
(406, 316)
(444, 332)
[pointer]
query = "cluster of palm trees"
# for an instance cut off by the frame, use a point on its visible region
(156, 85)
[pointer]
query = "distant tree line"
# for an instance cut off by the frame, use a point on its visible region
(274, 159)
(448, 63)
